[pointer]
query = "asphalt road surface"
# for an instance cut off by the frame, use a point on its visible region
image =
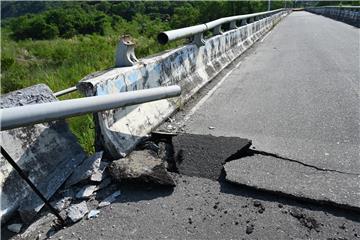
(296, 96)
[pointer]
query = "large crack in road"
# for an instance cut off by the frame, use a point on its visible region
(232, 160)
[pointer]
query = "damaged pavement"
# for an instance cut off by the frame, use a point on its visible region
(187, 184)
(192, 186)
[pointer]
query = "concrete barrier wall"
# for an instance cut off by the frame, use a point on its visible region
(189, 66)
(347, 15)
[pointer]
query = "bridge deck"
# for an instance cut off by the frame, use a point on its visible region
(296, 96)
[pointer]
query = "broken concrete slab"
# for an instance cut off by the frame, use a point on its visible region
(108, 200)
(93, 214)
(87, 168)
(204, 155)
(16, 227)
(77, 211)
(62, 203)
(296, 179)
(47, 152)
(86, 191)
(141, 166)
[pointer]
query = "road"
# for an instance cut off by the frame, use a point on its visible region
(296, 96)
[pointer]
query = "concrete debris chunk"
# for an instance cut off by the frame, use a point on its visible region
(16, 227)
(93, 214)
(107, 201)
(61, 203)
(77, 211)
(86, 191)
(106, 182)
(141, 166)
(99, 174)
(47, 152)
(86, 169)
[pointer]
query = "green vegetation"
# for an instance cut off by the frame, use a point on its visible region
(58, 43)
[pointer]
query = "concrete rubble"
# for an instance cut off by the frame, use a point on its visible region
(77, 211)
(47, 152)
(93, 214)
(86, 170)
(16, 227)
(143, 166)
(86, 191)
(107, 201)
(62, 203)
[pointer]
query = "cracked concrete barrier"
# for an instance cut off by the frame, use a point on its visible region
(296, 179)
(191, 67)
(47, 152)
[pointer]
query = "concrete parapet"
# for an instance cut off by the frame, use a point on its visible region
(348, 15)
(190, 66)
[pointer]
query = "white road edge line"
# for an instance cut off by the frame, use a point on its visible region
(266, 36)
(209, 94)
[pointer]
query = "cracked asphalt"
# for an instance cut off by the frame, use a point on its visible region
(199, 208)
(295, 95)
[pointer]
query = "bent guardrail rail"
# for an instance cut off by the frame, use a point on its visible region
(198, 30)
(347, 14)
(43, 112)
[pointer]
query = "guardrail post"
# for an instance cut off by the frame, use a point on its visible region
(199, 39)
(217, 30)
(233, 25)
(243, 22)
(125, 54)
(251, 20)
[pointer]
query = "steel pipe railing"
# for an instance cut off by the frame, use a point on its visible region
(165, 37)
(36, 113)
(65, 91)
(344, 7)
(347, 14)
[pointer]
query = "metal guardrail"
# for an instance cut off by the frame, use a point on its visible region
(65, 91)
(347, 14)
(341, 7)
(30, 114)
(198, 30)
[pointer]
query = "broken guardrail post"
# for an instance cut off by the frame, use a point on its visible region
(43, 112)
(125, 53)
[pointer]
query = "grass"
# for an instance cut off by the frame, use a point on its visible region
(61, 63)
